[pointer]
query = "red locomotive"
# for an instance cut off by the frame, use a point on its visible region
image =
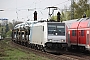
(79, 34)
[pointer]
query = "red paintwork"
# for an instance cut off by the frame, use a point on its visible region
(81, 25)
(66, 34)
(81, 39)
(73, 39)
(78, 26)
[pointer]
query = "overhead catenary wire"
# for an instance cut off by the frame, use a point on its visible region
(32, 3)
(39, 3)
(61, 3)
(17, 9)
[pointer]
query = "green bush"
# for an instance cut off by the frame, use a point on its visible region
(8, 34)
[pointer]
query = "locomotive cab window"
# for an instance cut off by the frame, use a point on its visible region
(82, 32)
(56, 29)
(73, 32)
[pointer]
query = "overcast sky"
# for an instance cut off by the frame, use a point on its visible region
(19, 8)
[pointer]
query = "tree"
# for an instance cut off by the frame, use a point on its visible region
(10, 26)
(53, 18)
(88, 13)
(64, 16)
(7, 28)
(8, 34)
(80, 8)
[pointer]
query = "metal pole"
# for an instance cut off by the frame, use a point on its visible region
(72, 9)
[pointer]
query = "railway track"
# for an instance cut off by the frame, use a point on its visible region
(79, 55)
(64, 56)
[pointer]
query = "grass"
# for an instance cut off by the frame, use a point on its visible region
(11, 53)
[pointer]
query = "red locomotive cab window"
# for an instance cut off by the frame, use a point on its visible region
(73, 32)
(82, 32)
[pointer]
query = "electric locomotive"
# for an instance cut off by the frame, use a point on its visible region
(45, 35)
(50, 36)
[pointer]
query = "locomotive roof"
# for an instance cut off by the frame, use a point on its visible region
(70, 22)
(82, 23)
(42, 23)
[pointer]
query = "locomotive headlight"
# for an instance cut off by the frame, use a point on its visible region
(87, 32)
(62, 40)
(49, 40)
(68, 32)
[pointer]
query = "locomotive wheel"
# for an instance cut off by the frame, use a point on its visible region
(43, 49)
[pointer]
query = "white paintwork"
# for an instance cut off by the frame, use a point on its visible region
(58, 39)
(40, 37)
(37, 34)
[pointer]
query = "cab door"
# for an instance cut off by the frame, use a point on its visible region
(73, 37)
(81, 36)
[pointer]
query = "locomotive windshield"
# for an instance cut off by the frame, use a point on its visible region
(56, 29)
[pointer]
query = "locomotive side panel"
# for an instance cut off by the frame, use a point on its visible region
(37, 35)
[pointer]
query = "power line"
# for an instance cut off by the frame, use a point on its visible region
(60, 3)
(42, 1)
(32, 3)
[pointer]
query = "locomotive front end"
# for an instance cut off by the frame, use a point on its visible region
(56, 36)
